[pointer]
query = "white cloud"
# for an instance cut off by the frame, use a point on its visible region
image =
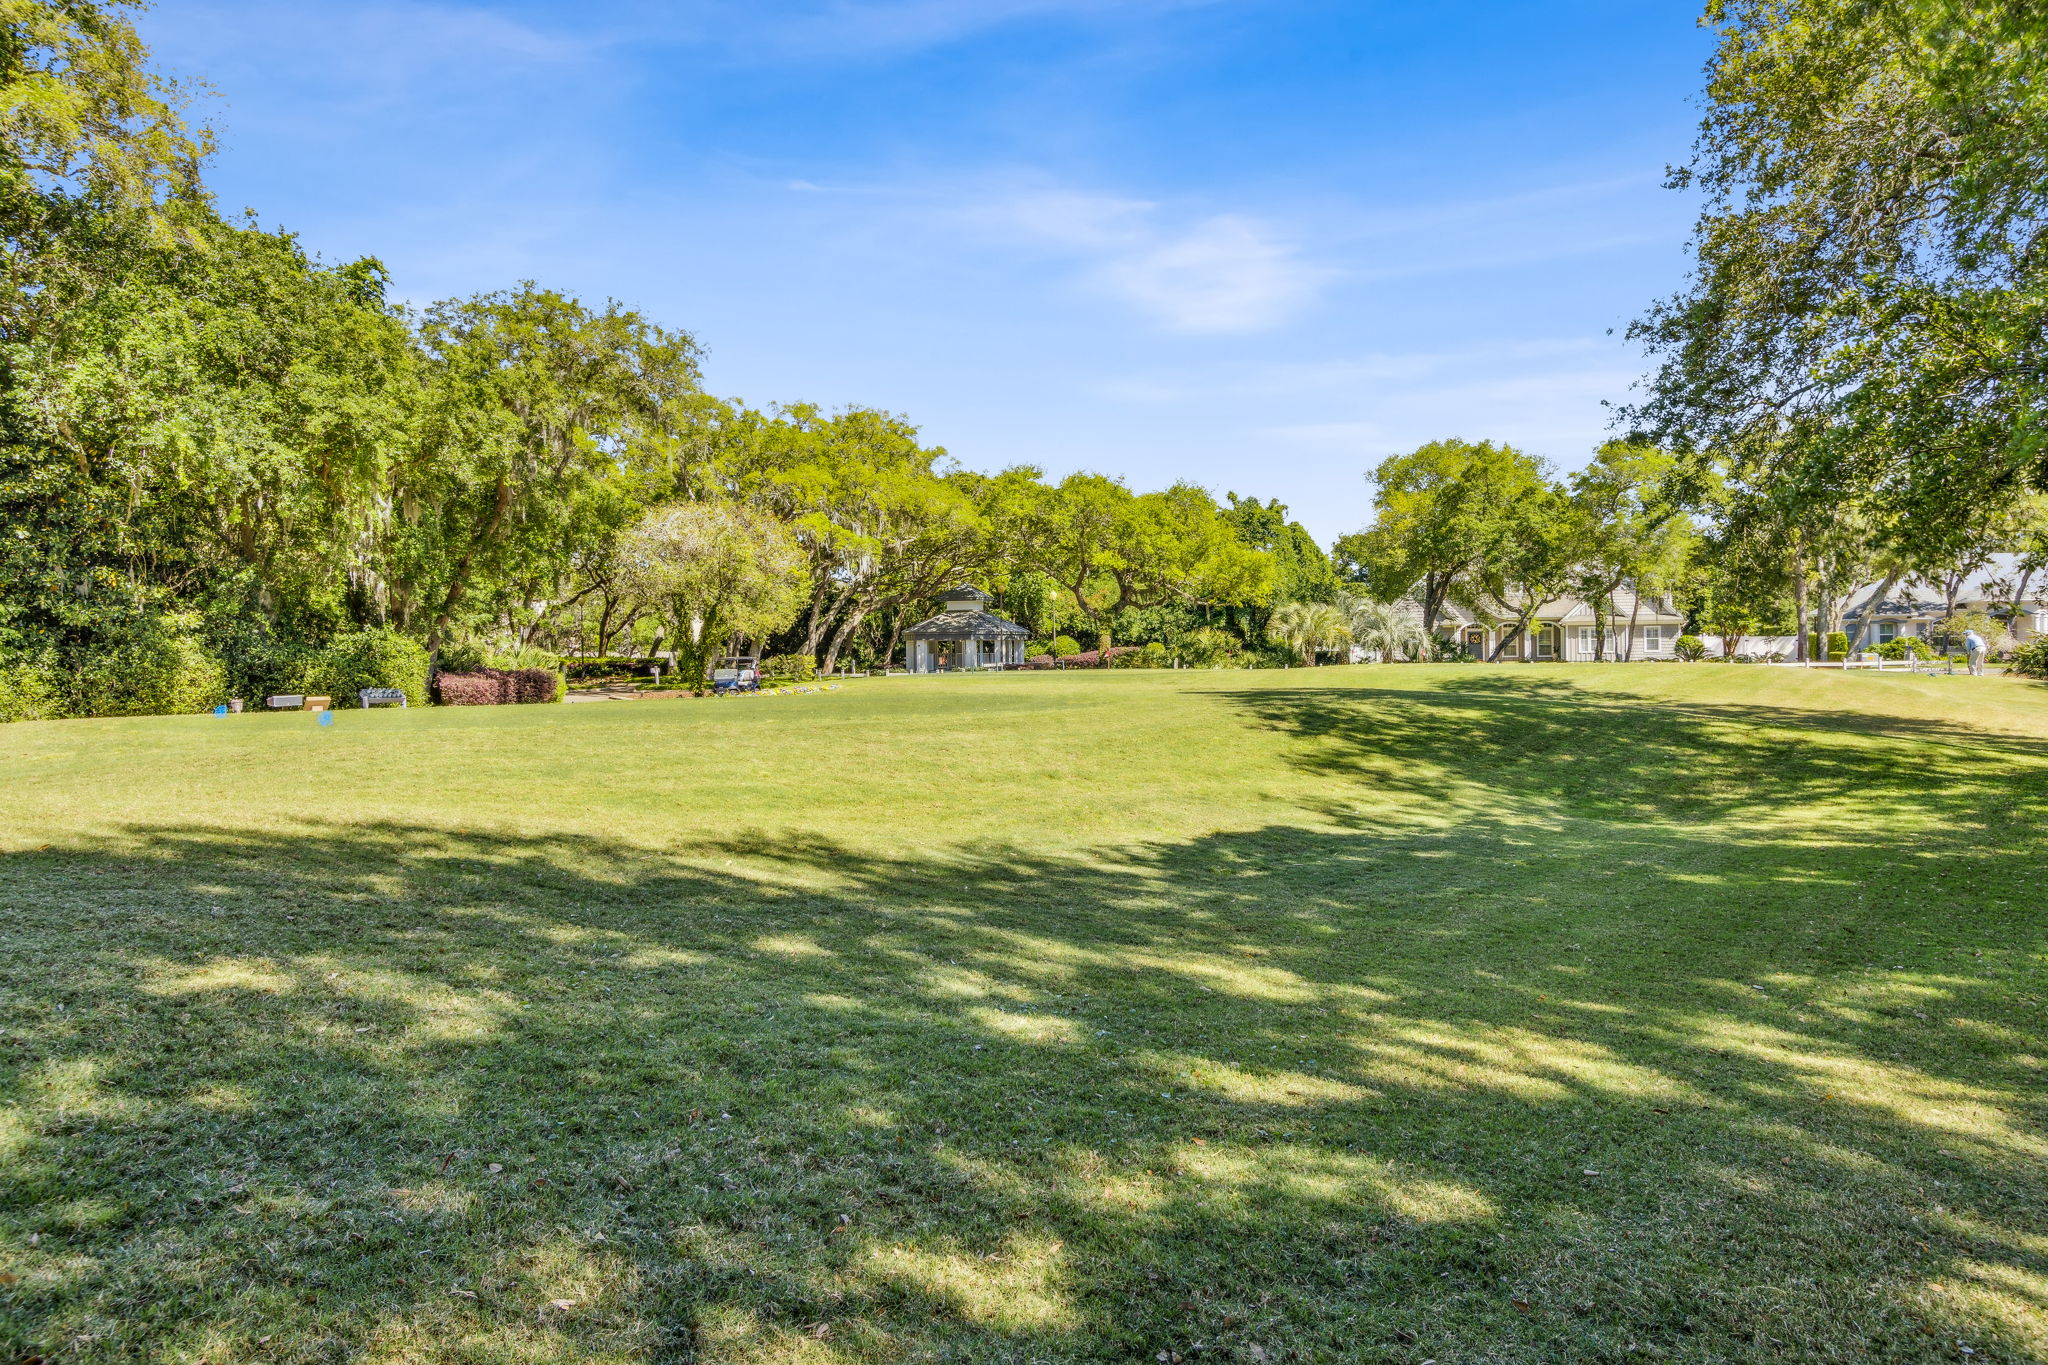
(1224, 273)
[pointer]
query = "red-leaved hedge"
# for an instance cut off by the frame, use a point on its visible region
(1092, 658)
(495, 686)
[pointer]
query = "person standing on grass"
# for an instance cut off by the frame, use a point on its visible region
(1974, 647)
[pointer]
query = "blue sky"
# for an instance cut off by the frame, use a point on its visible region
(1260, 244)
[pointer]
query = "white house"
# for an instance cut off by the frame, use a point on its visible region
(1914, 607)
(1569, 631)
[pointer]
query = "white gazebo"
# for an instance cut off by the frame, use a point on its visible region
(964, 636)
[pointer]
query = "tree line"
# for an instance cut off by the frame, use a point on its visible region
(218, 452)
(1849, 388)
(226, 464)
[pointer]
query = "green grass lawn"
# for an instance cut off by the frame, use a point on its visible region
(1365, 1014)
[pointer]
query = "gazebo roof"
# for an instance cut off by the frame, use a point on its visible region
(966, 625)
(967, 592)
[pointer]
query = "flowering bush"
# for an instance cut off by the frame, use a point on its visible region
(497, 687)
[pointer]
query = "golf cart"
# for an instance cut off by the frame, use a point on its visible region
(736, 673)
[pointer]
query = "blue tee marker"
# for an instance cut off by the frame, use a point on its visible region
(327, 718)
(221, 710)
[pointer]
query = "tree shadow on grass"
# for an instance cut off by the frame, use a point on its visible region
(1579, 1074)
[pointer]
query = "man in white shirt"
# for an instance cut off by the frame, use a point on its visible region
(1974, 647)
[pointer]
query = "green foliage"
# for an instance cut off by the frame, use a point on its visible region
(800, 668)
(1905, 646)
(1064, 645)
(1208, 647)
(1385, 630)
(1110, 550)
(1948, 633)
(1449, 516)
(1689, 649)
(377, 657)
(1153, 655)
(1309, 628)
(1865, 321)
(156, 665)
(717, 571)
(31, 688)
(2030, 659)
(1301, 572)
(1838, 644)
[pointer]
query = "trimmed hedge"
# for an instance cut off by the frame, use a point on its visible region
(498, 687)
(1090, 658)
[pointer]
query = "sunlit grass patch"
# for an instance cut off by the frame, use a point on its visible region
(1379, 1014)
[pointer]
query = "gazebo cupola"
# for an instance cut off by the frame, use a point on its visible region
(964, 635)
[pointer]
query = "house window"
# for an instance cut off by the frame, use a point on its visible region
(1547, 640)
(1653, 639)
(1887, 631)
(1589, 638)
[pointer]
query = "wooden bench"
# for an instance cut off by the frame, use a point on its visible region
(380, 696)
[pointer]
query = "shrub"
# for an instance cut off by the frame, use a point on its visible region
(1090, 658)
(1445, 650)
(1838, 644)
(1903, 645)
(1689, 649)
(1153, 655)
(1063, 645)
(498, 687)
(29, 688)
(158, 667)
(1208, 647)
(466, 657)
(377, 657)
(790, 667)
(2031, 658)
(473, 656)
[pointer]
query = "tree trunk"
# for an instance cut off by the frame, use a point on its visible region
(889, 646)
(2019, 595)
(1635, 607)
(1799, 605)
(839, 638)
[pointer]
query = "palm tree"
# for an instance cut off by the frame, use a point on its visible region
(1384, 629)
(1308, 627)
